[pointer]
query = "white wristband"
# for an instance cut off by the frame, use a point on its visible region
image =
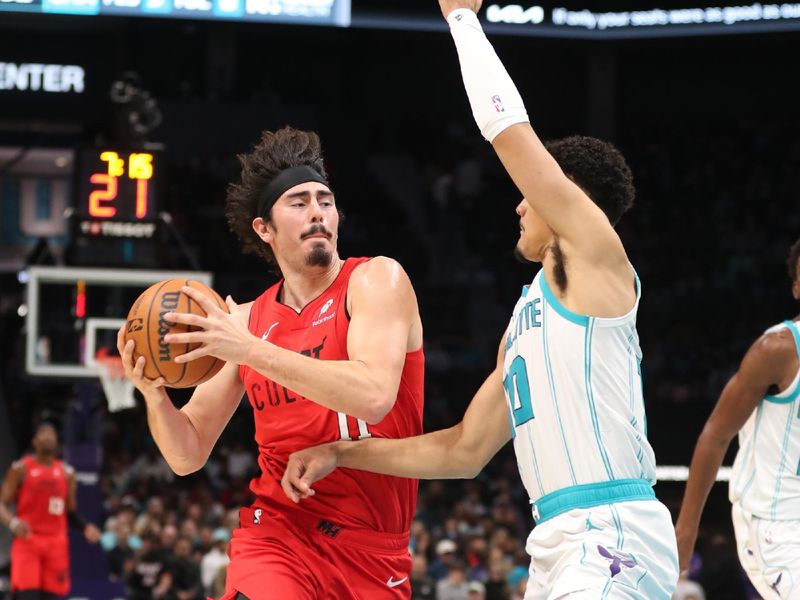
(495, 101)
(12, 524)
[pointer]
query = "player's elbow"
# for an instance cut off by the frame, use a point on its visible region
(464, 455)
(184, 466)
(378, 408)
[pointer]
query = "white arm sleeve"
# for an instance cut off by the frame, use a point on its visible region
(496, 103)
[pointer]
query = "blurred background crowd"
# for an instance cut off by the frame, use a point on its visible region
(709, 127)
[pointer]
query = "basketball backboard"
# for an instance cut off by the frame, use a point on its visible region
(74, 313)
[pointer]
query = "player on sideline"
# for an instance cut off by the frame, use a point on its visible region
(760, 403)
(43, 489)
(567, 386)
(333, 351)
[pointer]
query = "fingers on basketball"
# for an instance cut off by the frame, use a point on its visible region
(147, 326)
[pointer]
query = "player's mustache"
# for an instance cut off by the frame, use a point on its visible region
(316, 229)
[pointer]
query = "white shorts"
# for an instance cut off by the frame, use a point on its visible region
(625, 551)
(770, 554)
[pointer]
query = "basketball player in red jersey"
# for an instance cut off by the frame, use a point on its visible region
(332, 351)
(43, 489)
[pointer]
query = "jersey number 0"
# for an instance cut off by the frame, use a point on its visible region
(518, 389)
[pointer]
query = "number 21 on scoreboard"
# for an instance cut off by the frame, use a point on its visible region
(140, 169)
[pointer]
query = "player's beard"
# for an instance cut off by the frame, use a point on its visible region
(319, 257)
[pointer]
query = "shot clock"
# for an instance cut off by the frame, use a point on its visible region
(117, 185)
(116, 207)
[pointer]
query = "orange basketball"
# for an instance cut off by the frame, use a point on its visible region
(147, 327)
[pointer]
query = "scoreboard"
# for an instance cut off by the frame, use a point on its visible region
(115, 208)
(311, 12)
(117, 193)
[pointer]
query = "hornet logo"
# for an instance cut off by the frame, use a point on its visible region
(617, 561)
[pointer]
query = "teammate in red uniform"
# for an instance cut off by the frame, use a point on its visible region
(43, 489)
(332, 351)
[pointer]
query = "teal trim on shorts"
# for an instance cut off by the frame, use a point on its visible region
(590, 495)
(562, 310)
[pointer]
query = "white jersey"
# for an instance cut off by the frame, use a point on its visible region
(573, 385)
(766, 473)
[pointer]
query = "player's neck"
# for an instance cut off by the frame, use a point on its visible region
(301, 287)
(44, 459)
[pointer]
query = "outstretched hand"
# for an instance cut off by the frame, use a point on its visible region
(306, 467)
(449, 6)
(222, 334)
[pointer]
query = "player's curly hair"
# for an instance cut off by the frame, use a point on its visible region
(794, 258)
(599, 169)
(275, 152)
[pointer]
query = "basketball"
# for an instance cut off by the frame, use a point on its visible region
(147, 327)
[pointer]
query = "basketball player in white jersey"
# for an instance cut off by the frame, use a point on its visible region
(760, 402)
(567, 385)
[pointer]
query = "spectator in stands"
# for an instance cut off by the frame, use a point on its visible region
(422, 586)
(476, 591)
(445, 557)
(454, 586)
(215, 559)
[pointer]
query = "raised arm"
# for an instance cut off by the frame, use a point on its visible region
(384, 326)
(458, 452)
(500, 114)
(761, 368)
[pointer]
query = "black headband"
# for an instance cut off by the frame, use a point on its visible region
(286, 180)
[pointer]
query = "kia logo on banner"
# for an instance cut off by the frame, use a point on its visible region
(36, 77)
(514, 14)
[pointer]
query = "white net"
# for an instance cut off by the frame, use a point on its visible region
(117, 388)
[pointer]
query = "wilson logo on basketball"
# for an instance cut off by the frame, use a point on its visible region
(169, 302)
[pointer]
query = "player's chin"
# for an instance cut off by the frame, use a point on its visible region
(321, 255)
(523, 256)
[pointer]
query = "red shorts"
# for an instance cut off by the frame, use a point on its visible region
(299, 556)
(40, 562)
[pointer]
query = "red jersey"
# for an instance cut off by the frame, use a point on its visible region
(42, 497)
(286, 421)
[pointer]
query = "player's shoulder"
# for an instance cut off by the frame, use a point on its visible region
(380, 270)
(69, 470)
(19, 465)
(776, 341)
(772, 348)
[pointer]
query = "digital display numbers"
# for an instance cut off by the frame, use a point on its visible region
(302, 12)
(116, 185)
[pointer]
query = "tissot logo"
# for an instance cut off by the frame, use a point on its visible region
(514, 14)
(37, 77)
